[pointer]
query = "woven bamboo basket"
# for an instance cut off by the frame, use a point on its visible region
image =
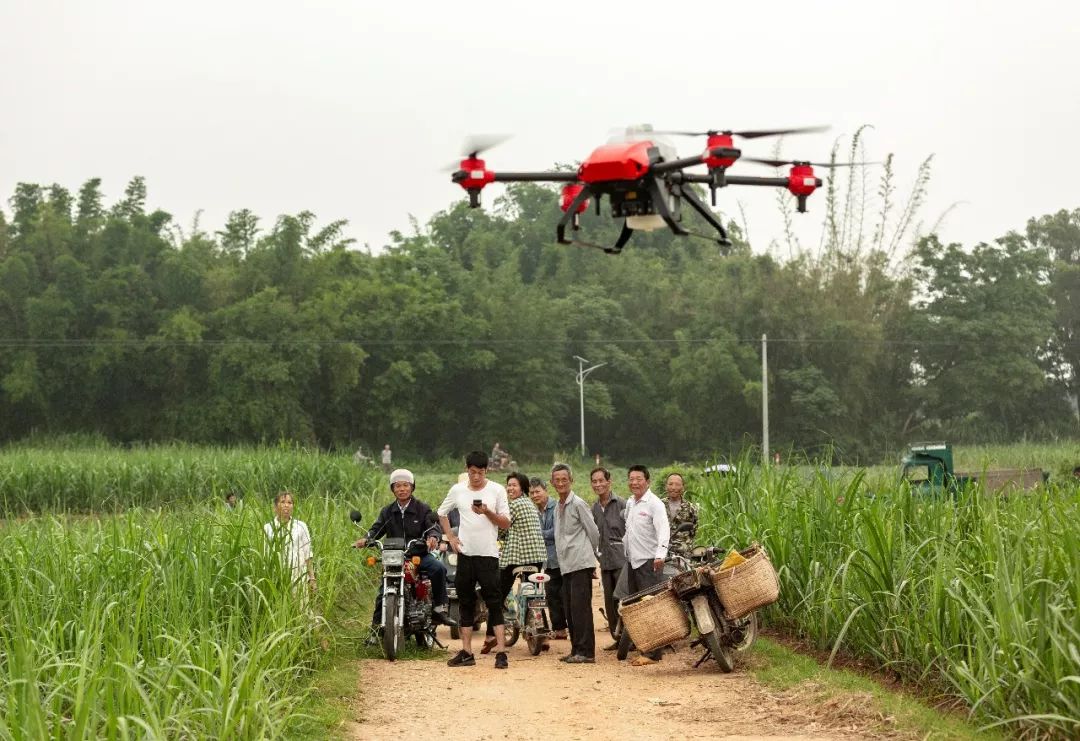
(751, 585)
(691, 581)
(654, 620)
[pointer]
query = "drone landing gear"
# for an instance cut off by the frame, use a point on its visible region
(706, 214)
(570, 218)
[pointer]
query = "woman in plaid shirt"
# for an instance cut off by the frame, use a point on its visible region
(524, 543)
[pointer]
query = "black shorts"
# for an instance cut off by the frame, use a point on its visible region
(482, 570)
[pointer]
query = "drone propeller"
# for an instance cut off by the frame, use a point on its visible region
(750, 133)
(474, 146)
(781, 163)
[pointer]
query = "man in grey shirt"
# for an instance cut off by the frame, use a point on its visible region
(546, 505)
(608, 514)
(576, 539)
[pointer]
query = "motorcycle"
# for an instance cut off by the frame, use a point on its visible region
(406, 604)
(502, 463)
(526, 610)
(722, 637)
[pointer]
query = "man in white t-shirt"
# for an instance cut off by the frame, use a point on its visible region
(483, 508)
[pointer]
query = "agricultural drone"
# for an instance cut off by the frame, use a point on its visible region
(645, 181)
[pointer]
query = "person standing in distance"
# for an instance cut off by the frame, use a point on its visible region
(576, 539)
(483, 508)
(645, 541)
(387, 456)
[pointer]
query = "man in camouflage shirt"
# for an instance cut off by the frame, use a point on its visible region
(680, 511)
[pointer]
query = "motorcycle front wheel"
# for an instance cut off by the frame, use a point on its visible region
(719, 651)
(390, 632)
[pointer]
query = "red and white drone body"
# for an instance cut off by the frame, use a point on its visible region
(645, 182)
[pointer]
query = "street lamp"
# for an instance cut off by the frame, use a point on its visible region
(581, 373)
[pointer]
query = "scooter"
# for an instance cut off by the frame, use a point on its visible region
(526, 610)
(406, 603)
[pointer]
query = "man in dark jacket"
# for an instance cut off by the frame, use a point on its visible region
(608, 513)
(409, 518)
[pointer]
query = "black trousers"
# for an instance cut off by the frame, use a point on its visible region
(482, 570)
(554, 592)
(640, 578)
(577, 596)
(608, 579)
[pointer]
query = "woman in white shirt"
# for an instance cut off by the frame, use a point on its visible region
(292, 538)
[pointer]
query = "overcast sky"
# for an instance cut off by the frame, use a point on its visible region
(349, 110)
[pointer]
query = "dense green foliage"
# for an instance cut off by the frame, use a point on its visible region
(171, 623)
(115, 321)
(980, 594)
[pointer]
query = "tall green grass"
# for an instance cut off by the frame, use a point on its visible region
(113, 479)
(979, 594)
(170, 623)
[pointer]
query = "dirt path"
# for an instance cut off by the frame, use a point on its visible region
(540, 697)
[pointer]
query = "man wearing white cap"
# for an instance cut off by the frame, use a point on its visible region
(409, 518)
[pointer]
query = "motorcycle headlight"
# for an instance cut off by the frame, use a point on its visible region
(393, 558)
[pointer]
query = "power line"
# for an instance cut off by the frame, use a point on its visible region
(156, 343)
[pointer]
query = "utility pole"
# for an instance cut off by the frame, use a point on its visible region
(764, 399)
(581, 373)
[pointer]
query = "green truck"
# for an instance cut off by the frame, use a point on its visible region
(928, 467)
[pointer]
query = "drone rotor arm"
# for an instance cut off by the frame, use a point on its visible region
(551, 176)
(687, 177)
(662, 167)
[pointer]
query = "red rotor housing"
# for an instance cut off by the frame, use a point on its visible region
(801, 180)
(717, 141)
(570, 191)
(476, 174)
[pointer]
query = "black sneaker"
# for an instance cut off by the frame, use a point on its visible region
(500, 660)
(462, 659)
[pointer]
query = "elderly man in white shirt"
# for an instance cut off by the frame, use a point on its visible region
(645, 541)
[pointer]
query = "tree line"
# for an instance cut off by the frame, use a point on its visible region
(115, 320)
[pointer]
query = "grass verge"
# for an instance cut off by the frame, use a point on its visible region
(781, 668)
